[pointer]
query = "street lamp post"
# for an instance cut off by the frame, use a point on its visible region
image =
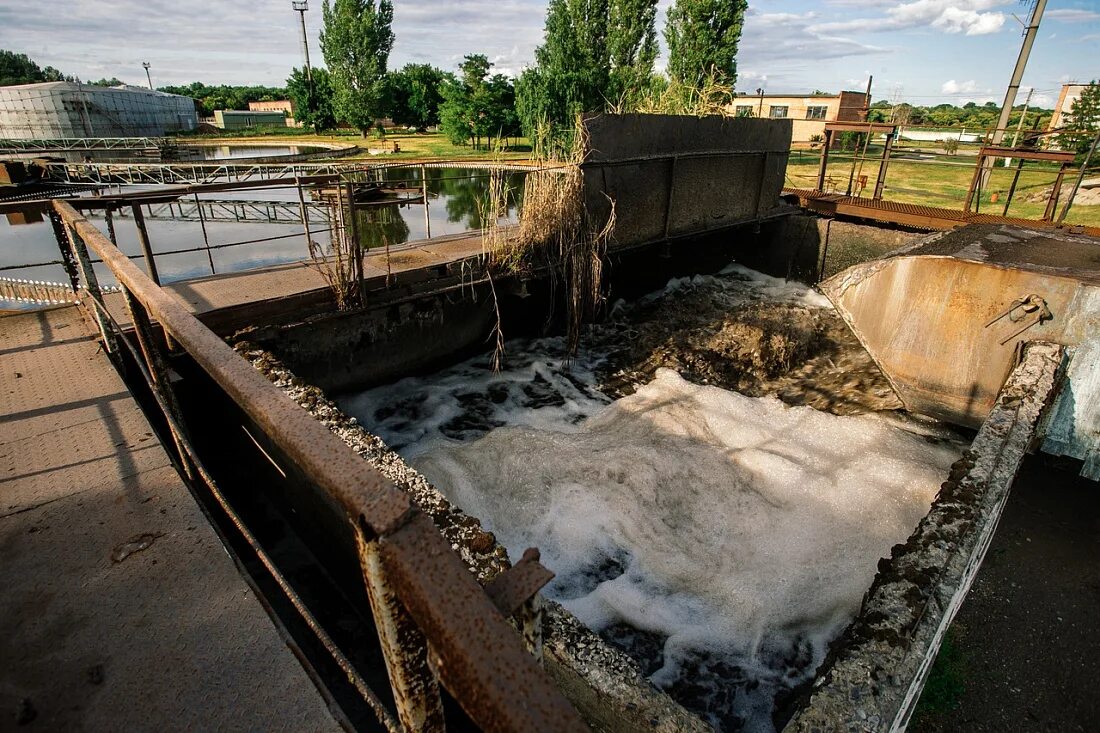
(145, 64)
(301, 6)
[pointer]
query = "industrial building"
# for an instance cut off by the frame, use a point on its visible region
(63, 109)
(240, 119)
(808, 112)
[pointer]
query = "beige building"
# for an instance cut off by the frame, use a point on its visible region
(809, 113)
(1070, 94)
(279, 105)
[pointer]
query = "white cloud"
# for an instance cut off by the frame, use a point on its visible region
(953, 87)
(1072, 15)
(973, 17)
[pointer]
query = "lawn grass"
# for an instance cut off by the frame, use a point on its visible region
(415, 146)
(932, 180)
(943, 181)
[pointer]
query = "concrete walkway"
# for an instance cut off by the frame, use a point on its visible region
(119, 609)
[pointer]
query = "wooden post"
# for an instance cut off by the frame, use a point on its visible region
(424, 190)
(1052, 202)
(974, 182)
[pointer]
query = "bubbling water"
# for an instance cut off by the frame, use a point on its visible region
(740, 531)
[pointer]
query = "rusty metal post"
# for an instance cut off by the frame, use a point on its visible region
(671, 194)
(305, 214)
(356, 246)
(824, 160)
(1052, 202)
(424, 190)
(1080, 177)
(158, 372)
(415, 687)
(1012, 188)
(205, 238)
(109, 217)
(974, 182)
(880, 182)
(143, 238)
(68, 259)
(91, 284)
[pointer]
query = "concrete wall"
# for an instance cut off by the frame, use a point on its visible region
(811, 248)
(673, 176)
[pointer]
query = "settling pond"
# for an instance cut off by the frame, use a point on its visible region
(457, 197)
(721, 540)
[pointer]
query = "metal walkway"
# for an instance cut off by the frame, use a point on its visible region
(121, 609)
(930, 218)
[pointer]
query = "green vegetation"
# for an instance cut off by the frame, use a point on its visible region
(942, 182)
(356, 42)
(415, 95)
(971, 115)
(224, 96)
(17, 68)
(1084, 115)
(312, 101)
(478, 106)
(946, 682)
(596, 53)
(702, 38)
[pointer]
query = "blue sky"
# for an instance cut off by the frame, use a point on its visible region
(924, 51)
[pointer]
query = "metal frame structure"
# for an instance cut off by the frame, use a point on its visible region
(866, 128)
(989, 153)
(83, 143)
(437, 625)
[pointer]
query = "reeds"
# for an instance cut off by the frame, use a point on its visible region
(341, 265)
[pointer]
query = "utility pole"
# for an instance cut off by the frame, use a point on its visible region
(1020, 126)
(1030, 32)
(148, 76)
(301, 6)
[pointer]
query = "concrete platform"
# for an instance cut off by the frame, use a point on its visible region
(238, 299)
(120, 609)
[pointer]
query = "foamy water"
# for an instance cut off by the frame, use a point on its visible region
(735, 536)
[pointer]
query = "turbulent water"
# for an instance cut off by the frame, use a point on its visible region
(722, 540)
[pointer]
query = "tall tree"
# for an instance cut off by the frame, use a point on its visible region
(312, 102)
(632, 48)
(1084, 119)
(702, 37)
(18, 68)
(477, 105)
(356, 42)
(415, 94)
(596, 53)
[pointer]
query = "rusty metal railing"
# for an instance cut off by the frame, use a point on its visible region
(437, 625)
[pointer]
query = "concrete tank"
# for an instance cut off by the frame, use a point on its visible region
(945, 319)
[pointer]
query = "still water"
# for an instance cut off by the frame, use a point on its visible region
(457, 197)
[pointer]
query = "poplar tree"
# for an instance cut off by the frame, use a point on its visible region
(596, 53)
(356, 42)
(702, 37)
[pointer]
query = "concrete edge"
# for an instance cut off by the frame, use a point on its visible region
(875, 673)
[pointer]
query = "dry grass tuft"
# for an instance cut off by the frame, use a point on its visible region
(555, 229)
(341, 263)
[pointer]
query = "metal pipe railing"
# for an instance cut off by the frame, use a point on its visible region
(434, 620)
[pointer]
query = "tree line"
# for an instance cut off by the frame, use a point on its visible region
(597, 55)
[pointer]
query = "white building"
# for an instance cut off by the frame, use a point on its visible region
(62, 109)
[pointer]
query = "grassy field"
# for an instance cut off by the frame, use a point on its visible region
(931, 179)
(943, 181)
(414, 146)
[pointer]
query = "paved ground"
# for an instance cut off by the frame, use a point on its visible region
(119, 608)
(1027, 640)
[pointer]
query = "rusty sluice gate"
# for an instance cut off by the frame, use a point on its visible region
(397, 604)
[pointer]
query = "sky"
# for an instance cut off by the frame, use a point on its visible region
(924, 52)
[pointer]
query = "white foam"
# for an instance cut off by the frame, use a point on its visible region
(745, 528)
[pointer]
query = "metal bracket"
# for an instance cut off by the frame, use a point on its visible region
(1019, 310)
(515, 586)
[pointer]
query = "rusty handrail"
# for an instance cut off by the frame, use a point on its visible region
(477, 655)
